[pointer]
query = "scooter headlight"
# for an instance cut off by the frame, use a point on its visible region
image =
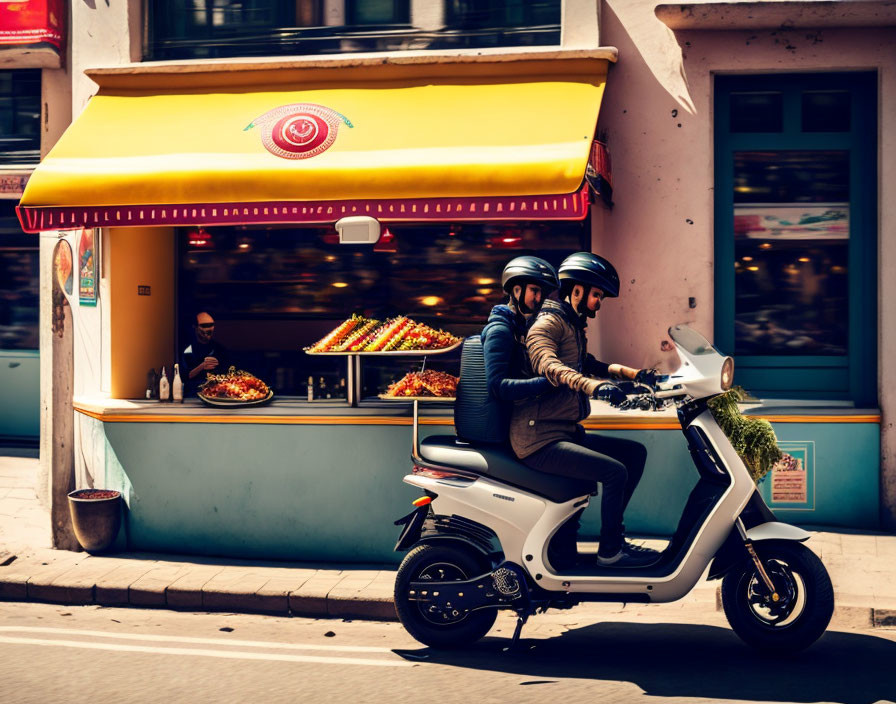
(727, 373)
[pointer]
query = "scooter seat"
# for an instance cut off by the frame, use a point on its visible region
(500, 463)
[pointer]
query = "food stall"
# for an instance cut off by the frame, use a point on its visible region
(210, 188)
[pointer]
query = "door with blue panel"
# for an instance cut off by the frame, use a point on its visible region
(796, 233)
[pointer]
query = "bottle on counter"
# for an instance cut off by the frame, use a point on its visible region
(343, 393)
(152, 384)
(164, 387)
(310, 388)
(177, 386)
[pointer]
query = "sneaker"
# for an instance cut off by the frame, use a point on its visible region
(629, 555)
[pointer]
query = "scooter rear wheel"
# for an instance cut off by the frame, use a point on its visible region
(804, 607)
(443, 563)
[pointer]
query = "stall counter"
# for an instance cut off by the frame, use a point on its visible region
(321, 481)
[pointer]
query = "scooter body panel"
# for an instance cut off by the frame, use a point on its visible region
(513, 514)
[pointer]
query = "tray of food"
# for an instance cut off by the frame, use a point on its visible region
(394, 336)
(435, 399)
(428, 385)
(234, 389)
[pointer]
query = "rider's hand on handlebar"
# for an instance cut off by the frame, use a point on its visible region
(610, 393)
(648, 377)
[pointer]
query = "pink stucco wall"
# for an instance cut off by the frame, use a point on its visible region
(657, 118)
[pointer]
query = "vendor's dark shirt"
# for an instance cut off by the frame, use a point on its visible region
(192, 357)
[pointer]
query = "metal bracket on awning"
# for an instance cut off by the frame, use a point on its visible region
(599, 174)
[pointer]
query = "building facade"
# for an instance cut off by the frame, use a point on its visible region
(749, 188)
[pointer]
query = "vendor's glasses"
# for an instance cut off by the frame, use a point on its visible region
(205, 326)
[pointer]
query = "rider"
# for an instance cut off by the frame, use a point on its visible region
(527, 281)
(545, 432)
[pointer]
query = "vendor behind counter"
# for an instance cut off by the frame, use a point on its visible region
(204, 355)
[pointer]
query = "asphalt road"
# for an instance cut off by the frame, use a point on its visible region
(52, 653)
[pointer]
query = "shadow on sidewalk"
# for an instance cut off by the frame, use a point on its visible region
(693, 661)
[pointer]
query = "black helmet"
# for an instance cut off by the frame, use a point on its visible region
(528, 269)
(591, 270)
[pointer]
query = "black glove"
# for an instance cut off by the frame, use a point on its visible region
(610, 393)
(648, 377)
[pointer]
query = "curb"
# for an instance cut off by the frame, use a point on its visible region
(77, 579)
(321, 605)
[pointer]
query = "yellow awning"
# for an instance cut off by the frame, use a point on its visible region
(251, 142)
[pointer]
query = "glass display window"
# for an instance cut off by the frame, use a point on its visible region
(791, 253)
(274, 291)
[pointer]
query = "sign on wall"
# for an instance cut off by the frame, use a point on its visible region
(31, 22)
(87, 268)
(62, 264)
(790, 483)
(12, 183)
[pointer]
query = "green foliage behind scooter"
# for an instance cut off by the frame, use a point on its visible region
(753, 438)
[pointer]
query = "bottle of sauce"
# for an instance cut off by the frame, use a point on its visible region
(177, 386)
(164, 387)
(310, 388)
(152, 384)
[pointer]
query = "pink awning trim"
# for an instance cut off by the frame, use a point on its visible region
(567, 206)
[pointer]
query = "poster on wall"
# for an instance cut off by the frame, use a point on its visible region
(790, 484)
(87, 268)
(31, 22)
(62, 264)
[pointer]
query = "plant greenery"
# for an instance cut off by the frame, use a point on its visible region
(753, 438)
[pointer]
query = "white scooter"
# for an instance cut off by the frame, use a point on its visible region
(478, 538)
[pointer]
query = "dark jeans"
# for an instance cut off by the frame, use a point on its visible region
(615, 463)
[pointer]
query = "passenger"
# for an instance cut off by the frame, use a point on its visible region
(545, 432)
(527, 281)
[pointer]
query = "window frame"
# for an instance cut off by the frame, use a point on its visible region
(852, 377)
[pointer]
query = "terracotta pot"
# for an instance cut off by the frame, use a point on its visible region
(96, 517)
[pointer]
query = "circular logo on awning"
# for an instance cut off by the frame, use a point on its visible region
(300, 130)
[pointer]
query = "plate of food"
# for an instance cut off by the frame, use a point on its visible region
(428, 385)
(234, 389)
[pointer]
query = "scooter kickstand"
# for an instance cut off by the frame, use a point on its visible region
(521, 618)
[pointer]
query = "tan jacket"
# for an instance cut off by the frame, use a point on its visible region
(556, 347)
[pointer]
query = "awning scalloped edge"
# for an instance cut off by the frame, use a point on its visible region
(566, 206)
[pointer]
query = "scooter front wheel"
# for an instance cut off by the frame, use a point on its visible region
(798, 612)
(431, 626)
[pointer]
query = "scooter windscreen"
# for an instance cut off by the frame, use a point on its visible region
(704, 371)
(691, 341)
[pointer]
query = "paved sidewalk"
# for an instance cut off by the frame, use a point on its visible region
(862, 568)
